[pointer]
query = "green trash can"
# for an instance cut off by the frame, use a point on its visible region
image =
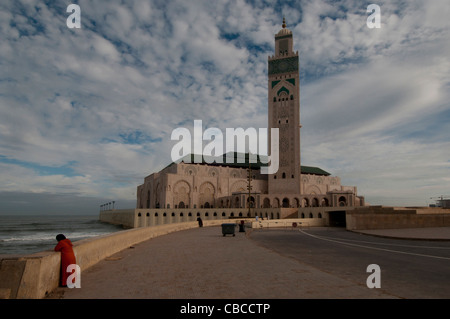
(228, 229)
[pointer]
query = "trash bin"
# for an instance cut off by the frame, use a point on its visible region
(228, 229)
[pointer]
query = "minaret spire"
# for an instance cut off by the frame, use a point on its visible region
(284, 23)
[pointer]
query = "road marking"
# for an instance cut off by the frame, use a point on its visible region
(399, 245)
(375, 248)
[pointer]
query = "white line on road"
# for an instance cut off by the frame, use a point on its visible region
(376, 248)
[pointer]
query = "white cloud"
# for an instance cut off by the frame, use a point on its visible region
(370, 99)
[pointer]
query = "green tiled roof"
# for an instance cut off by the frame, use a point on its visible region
(233, 159)
(314, 170)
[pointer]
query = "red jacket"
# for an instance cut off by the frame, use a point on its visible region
(67, 258)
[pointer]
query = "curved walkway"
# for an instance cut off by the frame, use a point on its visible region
(202, 264)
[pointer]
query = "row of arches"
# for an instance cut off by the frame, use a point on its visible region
(167, 217)
(276, 202)
(161, 217)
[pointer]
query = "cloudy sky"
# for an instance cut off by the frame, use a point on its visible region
(86, 114)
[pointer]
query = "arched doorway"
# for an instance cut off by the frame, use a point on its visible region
(342, 201)
(285, 202)
(251, 202)
(276, 203)
(266, 203)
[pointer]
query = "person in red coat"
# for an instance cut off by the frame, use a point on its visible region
(67, 257)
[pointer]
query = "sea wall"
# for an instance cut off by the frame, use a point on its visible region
(380, 217)
(34, 276)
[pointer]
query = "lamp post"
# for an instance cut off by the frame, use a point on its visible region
(249, 186)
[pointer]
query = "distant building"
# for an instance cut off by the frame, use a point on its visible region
(444, 203)
(203, 185)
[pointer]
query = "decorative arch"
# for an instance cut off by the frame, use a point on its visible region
(282, 90)
(207, 194)
(251, 202)
(305, 202)
(342, 201)
(235, 173)
(158, 199)
(190, 170)
(236, 202)
(313, 190)
(239, 186)
(315, 202)
(181, 194)
(325, 202)
(213, 172)
(276, 202)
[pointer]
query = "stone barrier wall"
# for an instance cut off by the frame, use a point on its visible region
(34, 276)
(379, 217)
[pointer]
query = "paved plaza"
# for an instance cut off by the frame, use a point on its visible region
(202, 264)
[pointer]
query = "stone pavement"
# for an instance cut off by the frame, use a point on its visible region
(202, 264)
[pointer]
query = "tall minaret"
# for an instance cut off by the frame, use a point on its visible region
(284, 112)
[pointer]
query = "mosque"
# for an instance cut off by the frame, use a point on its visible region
(204, 185)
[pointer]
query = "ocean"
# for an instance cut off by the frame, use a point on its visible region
(30, 234)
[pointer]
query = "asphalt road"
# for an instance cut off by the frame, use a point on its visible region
(408, 268)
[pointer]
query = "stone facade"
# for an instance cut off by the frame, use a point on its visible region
(186, 185)
(203, 185)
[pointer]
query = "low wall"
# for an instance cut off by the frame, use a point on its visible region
(288, 223)
(143, 217)
(379, 217)
(124, 217)
(34, 276)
